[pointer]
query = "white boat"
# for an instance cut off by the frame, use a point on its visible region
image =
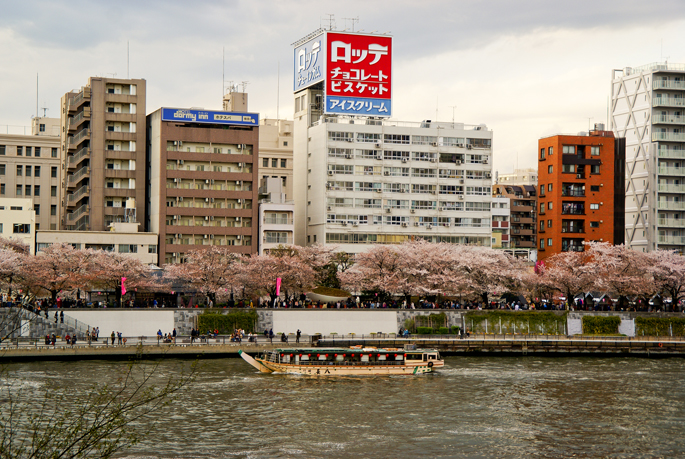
(347, 361)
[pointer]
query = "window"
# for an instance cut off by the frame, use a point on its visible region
(2, 150)
(53, 172)
(594, 169)
(569, 149)
(274, 162)
(549, 187)
(542, 153)
(550, 150)
(549, 242)
(542, 190)
(2, 169)
(550, 169)
(20, 171)
(20, 151)
(542, 207)
(341, 136)
(594, 224)
(549, 205)
(542, 243)
(285, 143)
(19, 190)
(594, 206)
(27, 189)
(53, 153)
(549, 223)
(36, 207)
(594, 151)
(265, 162)
(36, 171)
(53, 191)
(37, 153)
(28, 151)
(283, 180)
(594, 187)
(53, 209)
(568, 168)
(396, 138)
(22, 228)
(283, 163)
(2, 191)
(36, 190)
(128, 248)
(151, 248)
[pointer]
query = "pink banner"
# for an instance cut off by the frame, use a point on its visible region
(123, 287)
(278, 286)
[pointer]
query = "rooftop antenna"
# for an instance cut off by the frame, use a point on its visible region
(436, 108)
(244, 85)
(127, 59)
(223, 71)
(278, 89)
(453, 107)
(36, 95)
(331, 21)
(588, 124)
(353, 20)
(45, 111)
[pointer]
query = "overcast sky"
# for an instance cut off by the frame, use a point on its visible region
(527, 69)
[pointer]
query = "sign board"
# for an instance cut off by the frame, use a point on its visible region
(356, 70)
(184, 115)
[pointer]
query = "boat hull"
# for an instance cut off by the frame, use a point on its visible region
(349, 370)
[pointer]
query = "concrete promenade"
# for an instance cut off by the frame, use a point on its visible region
(221, 347)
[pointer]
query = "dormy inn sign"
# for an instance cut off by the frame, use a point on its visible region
(356, 70)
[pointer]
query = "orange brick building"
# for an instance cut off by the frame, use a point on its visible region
(581, 191)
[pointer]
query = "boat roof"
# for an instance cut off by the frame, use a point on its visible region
(320, 350)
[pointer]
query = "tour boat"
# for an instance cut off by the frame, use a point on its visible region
(355, 360)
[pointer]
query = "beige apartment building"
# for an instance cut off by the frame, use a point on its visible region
(18, 220)
(30, 168)
(276, 153)
(103, 152)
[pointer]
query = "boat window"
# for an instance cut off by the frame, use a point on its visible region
(431, 356)
(425, 357)
(339, 358)
(365, 357)
(304, 357)
(322, 357)
(399, 356)
(413, 356)
(382, 357)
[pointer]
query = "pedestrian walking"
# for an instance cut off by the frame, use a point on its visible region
(271, 335)
(297, 336)
(173, 334)
(119, 336)
(55, 316)
(61, 316)
(112, 336)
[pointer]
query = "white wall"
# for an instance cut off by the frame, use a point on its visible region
(130, 322)
(335, 321)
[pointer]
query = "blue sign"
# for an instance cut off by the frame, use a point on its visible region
(309, 65)
(184, 115)
(358, 106)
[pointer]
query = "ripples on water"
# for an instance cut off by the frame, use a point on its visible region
(475, 407)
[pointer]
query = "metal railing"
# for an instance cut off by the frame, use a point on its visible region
(672, 188)
(668, 137)
(668, 119)
(668, 102)
(74, 178)
(671, 205)
(78, 137)
(73, 160)
(77, 213)
(672, 171)
(672, 222)
(667, 84)
(676, 240)
(78, 193)
(664, 152)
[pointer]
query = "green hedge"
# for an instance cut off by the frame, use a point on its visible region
(455, 329)
(659, 326)
(424, 330)
(537, 322)
(601, 325)
(444, 330)
(226, 323)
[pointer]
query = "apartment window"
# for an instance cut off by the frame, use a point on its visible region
(568, 168)
(549, 187)
(550, 169)
(542, 243)
(283, 163)
(20, 151)
(53, 153)
(594, 169)
(36, 190)
(569, 149)
(27, 189)
(53, 209)
(28, 171)
(28, 151)
(594, 151)
(285, 143)
(274, 162)
(594, 224)
(20, 171)
(549, 205)
(22, 228)
(542, 190)
(3, 148)
(19, 190)
(36, 171)
(594, 187)
(41, 127)
(2, 169)
(542, 207)
(128, 248)
(542, 153)
(283, 180)
(549, 223)
(2, 191)
(549, 242)
(53, 172)
(37, 152)
(265, 162)
(36, 208)
(151, 248)
(53, 191)
(594, 206)
(542, 225)
(550, 150)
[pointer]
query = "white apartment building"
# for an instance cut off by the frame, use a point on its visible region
(647, 105)
(276, 216)
(501, 222)
(276, 152)
(527, 176)
(18, 220)
(362, 181)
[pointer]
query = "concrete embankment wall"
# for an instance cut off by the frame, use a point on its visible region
(130, 322)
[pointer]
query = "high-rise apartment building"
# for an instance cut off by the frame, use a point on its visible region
(276, 153)
(522, 214)
(203, 177)
(30, 168)
(580, 199)
(647, 108)
(103, 153)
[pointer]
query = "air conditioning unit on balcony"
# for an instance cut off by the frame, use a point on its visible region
(461, 181)
(237, 219)
(240, 201)
(207, 218)
(175, 217)
(239, 237)
(434, 144)
(485, 161)
(207, 182)
(458, 162)
(433, 160)
(488, 175)
(330, 172)
(355, 224)
(206, 199)
(405, 160)
(430, 226)
(240, 165)
(469, 147)
(416, 223)
(205, 236)
(175, 142)
(378, 190)
(461, 197)
(412, 211)
(388, 210)
(446, 225)
(344, 223)
(175, 180)
(329, 208)
(405, 224)
(378, 145)
(348, 156)
(386, 173)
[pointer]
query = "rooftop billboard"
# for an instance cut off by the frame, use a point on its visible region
(185, 115)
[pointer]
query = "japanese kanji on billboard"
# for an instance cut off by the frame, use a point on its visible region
(358, 74)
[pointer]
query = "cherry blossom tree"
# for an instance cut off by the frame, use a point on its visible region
(668, 271)
(108, 268)
(212, 271)
(376, 270)
(13, 255)
(567, 273)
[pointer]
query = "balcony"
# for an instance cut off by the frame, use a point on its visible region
(670, 153)
(277, 221)
(579, 230)
(73, 216)
(75, 101)
(523, 231)
(498, 224)
(668, 137)
(672, 171)
(573, 248)
(271, 239)
(78, 194)
(668, 102)
(77, 120)
(75, 140)
(524, 209)
(672, 205)
(73, 179)
(673, 240)
(671, 188)
(672, 222)
(75, 159)
(570, 192)
(668, 119)
(661, 84)
(523, 244)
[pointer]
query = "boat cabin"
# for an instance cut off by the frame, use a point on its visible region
(351, 356)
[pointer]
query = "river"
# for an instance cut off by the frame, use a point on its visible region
(508, 407)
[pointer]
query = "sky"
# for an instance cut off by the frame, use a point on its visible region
(527, 69)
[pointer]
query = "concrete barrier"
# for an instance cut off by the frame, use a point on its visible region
(130, 322)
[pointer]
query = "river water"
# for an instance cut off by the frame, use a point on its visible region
(508, 407)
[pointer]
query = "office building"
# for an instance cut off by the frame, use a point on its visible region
(18, 220)
(30, 168)
(103, 153)
(202, 176)
(581, 198)
(647, 109)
